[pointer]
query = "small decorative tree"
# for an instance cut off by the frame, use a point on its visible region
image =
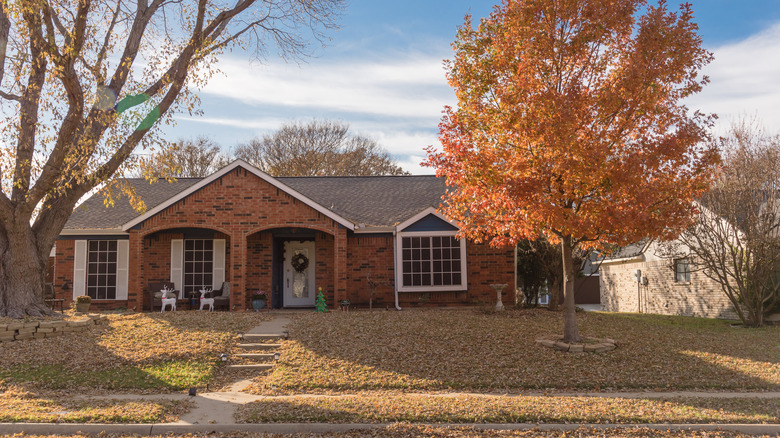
(320, 304)
(373, 283)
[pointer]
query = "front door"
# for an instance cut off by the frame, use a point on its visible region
(298, 281)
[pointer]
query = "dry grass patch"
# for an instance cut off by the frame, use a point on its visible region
(470, 350)
(148, 352)
(408, 430)
(423, 408)
(19, 406)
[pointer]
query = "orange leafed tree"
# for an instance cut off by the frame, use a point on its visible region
(570, 124)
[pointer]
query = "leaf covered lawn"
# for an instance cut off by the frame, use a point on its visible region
(19, 406)
(146, 352)
(475, 351)
(423, 408)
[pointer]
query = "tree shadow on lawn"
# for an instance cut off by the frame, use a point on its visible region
(134, 352)
(468, 350)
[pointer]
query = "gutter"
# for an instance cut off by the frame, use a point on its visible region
(623, 259)
(395, 271)
(93, 231)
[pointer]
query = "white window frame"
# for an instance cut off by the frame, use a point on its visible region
(198, 287)
(80, 268)
(400, 263)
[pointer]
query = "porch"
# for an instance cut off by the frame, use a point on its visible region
(289, 263)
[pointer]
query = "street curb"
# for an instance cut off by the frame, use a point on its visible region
(288, 428)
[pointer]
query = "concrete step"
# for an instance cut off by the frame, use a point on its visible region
(259, 346)
(254, 337)
(252, 366)
(266, 357)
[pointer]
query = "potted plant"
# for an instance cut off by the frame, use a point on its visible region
(82, 303)
(258, 300)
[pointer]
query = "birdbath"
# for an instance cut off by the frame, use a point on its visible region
(498, 288)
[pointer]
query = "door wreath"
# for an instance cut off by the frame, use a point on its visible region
(299, 262)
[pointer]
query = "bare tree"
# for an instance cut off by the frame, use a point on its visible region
(187, 158)
(735, 240)
(318, 148)
(83, 83)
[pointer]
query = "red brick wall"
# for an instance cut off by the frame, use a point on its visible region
(490, 266)
(372, 255)
(259, 270)
(323, 247)
(63, 270)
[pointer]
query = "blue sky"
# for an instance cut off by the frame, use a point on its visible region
(382, 73)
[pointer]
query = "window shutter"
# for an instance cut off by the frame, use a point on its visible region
(177, 265)
(79, 268)
(122, 263)
(219, 263)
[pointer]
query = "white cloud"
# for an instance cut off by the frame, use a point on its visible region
(744, 81)
(414, 87)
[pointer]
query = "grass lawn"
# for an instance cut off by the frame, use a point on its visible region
(149, 352)
(467, 350)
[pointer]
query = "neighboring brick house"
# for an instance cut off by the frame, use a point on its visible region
(242, 226)
(664, 286)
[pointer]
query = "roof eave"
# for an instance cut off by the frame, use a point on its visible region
(92, 231)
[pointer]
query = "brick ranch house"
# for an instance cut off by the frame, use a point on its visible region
(242, 226)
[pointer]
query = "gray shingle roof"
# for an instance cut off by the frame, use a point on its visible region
(93, 214)
(371, 200)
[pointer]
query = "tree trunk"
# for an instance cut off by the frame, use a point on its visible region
(555, 291)
(22, 273)
(570, 331)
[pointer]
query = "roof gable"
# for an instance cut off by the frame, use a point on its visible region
(425, 219)
(225, 170)
(430, 222)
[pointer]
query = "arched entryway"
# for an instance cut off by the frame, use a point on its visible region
(191, 258)
(291, 264)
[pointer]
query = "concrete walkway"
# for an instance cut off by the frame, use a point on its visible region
(276, 326)
(213, 411)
